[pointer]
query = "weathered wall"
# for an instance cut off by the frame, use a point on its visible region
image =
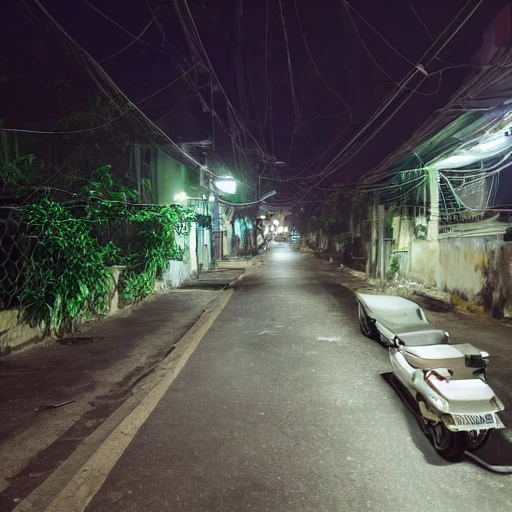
(14, 332)
(402, 230)
(424, 261)
(177, 272)
(478, 269)
(461, 263)
(507, 277)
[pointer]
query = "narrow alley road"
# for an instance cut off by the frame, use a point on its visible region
(282, 407)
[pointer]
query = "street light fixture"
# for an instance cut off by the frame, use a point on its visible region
(226, 184)
(180, 197)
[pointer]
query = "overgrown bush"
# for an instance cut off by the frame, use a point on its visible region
(65, 278)
(70, 248)
(152, 245)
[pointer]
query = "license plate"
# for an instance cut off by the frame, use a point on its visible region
(473, 419)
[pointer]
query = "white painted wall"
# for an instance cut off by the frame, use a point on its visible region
(179, 271)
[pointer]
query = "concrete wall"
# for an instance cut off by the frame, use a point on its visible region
(14, 333)
(179, 271)
(402, 231)
(478, 269)
(507, 277)
(461, 265)
(424, 261)
(192, 244)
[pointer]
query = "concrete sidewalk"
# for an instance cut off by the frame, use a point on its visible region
(224, 273)
(53, 395)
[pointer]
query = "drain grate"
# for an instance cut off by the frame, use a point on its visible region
(79, 340)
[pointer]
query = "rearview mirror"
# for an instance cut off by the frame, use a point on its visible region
(397, 342)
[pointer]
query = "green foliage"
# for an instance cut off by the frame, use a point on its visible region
(204, 221)
(141, 238)
(394, 265)
(137, 285)
(148, 252)
(95, 112)
(331, 217)
(103, 185)
(420, 230)
(342, 239)
(65, 278)
(18, 171)
(113, 134)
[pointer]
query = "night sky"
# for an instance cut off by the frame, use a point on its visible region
(295, 91)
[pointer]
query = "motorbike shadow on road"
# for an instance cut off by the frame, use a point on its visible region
(495, 456)
(417, 435)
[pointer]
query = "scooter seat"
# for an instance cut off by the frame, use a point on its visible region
(435, 356)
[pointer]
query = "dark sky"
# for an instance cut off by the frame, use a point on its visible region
(296, 95)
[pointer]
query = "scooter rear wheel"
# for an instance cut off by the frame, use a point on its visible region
(367, 326)
(450, 445)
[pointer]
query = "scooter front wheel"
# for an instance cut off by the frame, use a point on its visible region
(450, 445)
(477, 439)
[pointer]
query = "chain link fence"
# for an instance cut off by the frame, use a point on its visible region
(55, 259)
(15, 252)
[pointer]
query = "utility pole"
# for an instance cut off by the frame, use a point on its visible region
(382, 262)
(433, 220)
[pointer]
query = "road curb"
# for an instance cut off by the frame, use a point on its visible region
(70, 488)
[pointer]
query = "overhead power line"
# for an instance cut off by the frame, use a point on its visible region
(369, 130)
(88, 60)
(395, 100)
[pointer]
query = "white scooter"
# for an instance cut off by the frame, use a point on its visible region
(445, 383)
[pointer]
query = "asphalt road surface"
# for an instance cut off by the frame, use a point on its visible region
(282, 407)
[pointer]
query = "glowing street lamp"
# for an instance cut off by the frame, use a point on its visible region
(486, 148)
(180, 197)
(226, 184)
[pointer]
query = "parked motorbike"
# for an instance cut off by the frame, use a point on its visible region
(445, 384)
